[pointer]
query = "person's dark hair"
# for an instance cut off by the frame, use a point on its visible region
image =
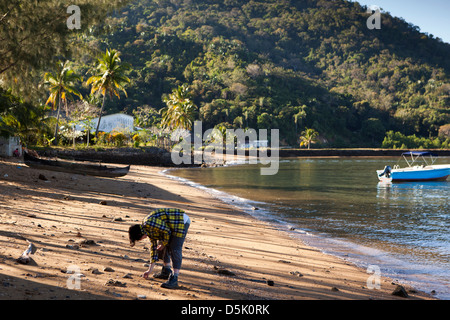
(135, 234)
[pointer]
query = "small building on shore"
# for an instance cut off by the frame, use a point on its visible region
(254, 144)
(113, 122)
(10, 146)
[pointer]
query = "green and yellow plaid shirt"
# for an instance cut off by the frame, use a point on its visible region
(160, 225)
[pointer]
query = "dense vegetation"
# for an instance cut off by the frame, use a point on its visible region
(287, 64)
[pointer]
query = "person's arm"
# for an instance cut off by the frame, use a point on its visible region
(153, 258)
(156, 229)
(154, 251)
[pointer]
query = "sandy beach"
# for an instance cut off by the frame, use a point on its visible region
(80, 223)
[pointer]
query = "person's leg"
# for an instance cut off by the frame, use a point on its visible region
(166, 271)
(176, 253)
(166, 256)
(176, 250)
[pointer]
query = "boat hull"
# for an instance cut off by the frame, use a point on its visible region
(428, 173)
(74, 168)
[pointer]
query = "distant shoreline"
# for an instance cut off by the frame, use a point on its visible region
(159, 157)
(286, 153)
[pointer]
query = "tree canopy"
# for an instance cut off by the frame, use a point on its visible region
(34, 34)
(312, 62)
(286, 64)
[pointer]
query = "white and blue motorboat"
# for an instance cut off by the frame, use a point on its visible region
(421, 167)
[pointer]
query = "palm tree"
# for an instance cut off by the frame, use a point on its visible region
(109, 78)
(180, 110)
(62, 85)
(299, 116)
(308, 136)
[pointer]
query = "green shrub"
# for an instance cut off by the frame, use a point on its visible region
(393, 140)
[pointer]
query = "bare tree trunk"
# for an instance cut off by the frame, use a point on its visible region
(55, 142)
(99, 118)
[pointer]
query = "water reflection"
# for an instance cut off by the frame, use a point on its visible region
(426, 196)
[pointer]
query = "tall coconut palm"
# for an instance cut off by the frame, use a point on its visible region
(308, 136)
(180, 110)
(109, 78)
(61, 86)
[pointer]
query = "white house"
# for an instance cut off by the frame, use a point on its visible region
(9, 145)
(254, 144)
(113, 122)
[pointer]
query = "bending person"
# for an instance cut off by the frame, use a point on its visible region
(166, 228)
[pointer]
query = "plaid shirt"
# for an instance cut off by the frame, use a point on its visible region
(160, 225)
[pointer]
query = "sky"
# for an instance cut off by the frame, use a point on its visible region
(431, 16)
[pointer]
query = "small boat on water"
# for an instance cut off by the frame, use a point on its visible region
(74, 167)
(419, 169)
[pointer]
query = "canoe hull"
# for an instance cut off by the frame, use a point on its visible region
(74, 168)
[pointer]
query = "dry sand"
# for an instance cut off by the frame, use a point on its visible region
(59, 214)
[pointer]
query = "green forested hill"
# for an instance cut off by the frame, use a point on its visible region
(286, 64)
(260, 63)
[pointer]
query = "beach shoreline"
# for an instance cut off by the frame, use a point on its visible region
(81, 222)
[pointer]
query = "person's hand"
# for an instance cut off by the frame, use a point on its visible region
(160, 247)
(147, 273)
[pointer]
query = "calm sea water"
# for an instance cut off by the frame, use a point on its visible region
(339, 206)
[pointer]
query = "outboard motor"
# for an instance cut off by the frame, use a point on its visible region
(386, 172)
